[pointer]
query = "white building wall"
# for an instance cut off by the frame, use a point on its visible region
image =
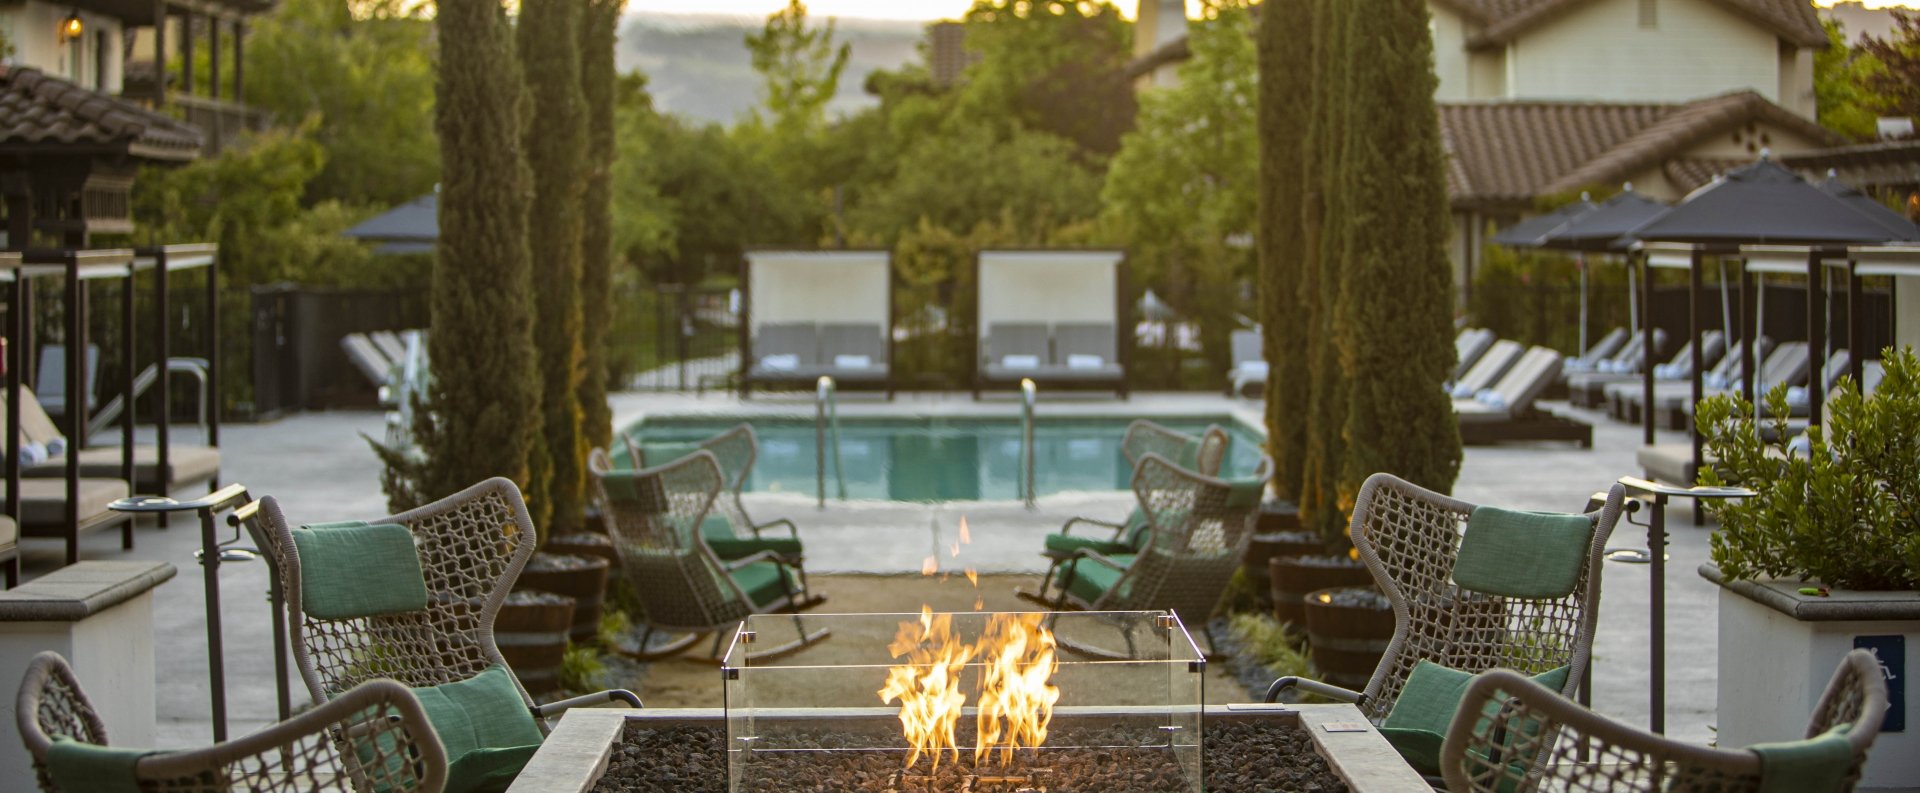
(1450, 56)
(1599, 51)
(1796, 80)
(33, 28)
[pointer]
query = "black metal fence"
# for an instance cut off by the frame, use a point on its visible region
(296, 331)
(687, 339)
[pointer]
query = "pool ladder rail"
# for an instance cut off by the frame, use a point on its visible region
(1029, 394)
(827, 427)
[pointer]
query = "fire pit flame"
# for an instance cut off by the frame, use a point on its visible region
(1016, 699)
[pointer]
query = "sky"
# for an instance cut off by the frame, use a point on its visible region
(869, 9)
(919, 9)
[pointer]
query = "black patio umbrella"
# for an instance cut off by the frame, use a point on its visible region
(1903, 229)
(1529, 233)
(1602, 230)
(412, 227)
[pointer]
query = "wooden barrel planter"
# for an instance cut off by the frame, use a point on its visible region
(532, 634)
(1263, 547)
(582, 578)
(1295, 576)
(1348, 629)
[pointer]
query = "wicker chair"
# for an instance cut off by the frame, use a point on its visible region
(392, 746)
(472, 545)
(654, 516)
(735, 450)
(1197, 527)
(1409, 538)
(1205, 453)
(1524, 718)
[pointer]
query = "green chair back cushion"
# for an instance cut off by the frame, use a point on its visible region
(762, 582)
(97, 769)
(1530, 555)
(1091, 579)
(486, 727)
(1427, 703)
(354, 570)
(1813, 765)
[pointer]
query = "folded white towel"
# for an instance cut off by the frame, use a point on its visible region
(1253, 369)
(1462, 391)
(56, 446)
(1716, 380)
(784, 363)
(852, 361)
(32, 454)
(1797, 396)
(1663, 371)
(1491, 399)
(1085, 362)
(1020, 361)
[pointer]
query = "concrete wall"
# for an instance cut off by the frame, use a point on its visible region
(1600, 51)
(111, 653)
(825, 286)
(33, 28)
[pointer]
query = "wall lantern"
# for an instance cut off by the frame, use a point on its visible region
(71, 28)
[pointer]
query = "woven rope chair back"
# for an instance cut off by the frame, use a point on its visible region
(1526, 718)
(1409, 538)
(654, 517)
(735, 450)
(1144, 437)
(375, 737)
(1196, 538)
(472, 545)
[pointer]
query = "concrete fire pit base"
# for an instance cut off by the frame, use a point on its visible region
(577, 754)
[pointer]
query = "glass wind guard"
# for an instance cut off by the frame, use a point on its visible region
(966, 705)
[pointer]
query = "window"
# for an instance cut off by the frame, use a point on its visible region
(1649, 14)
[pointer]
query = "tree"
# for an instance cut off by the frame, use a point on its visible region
(1393, 317)
(1179, 194)
(477, 419)
(1285, 98)
(1320, 281)
(787, 135)
(597, 79)
(549, 35)
(1839, 85)
(1053, 65)
(366, 74)
(1895, 84)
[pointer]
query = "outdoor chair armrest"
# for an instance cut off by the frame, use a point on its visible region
(1327, 690)
(1095, 556)
(552, 709)
(1116, 527)
(791, 529)
(763, 556)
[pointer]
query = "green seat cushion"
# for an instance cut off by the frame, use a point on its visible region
(486, 727)
(1814, 765)
(1531, 555)
(762, 582)
(1092, 579)
(1427, 703)
(354, 570)
(1068, 543)
(717, 531)
(83, 766)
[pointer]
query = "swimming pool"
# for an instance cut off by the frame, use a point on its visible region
(929, 459)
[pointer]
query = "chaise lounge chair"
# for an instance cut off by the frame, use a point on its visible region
(1505, 721)
(1488, 369)
(52, 380)
(1624, 400)
(374, 737)
(1589, 389)
(1787, 364)
(1603, 350)
(185, 463)
(1506, 411)
(1249, 363)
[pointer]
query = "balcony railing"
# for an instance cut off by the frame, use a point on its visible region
(223, 122)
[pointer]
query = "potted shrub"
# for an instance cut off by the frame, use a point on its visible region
(1824, 558)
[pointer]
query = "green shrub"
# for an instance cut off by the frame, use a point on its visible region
(1265, 638)
(1847, 512)
(581, 669)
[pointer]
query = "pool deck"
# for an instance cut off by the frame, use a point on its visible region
(321, 470)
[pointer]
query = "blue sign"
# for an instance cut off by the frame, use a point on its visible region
(1892, 654)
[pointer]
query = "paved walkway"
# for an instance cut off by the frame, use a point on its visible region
(320, 469)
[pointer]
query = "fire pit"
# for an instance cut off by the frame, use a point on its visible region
(971, 703)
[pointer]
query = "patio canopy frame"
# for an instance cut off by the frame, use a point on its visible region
(1000, 273)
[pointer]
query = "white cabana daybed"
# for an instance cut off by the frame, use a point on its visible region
(1058, 317)
(805, 314)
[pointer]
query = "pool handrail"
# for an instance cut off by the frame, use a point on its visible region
(827, 424)
(1029, 394)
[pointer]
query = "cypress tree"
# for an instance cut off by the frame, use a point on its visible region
(1286, 91)
(1325, 240)
(483, 391)
(597, 34)
(1395, 311)
(556, 152)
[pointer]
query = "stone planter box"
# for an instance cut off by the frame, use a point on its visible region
(1779, 647)
(576, 755)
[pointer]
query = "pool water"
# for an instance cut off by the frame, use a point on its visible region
(943, 459)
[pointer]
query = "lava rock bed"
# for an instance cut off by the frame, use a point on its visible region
(1242, 757)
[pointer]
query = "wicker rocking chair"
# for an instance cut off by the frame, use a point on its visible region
(1410, 538)
(730, 531)
(1506, 714)
(654, 516)
(374, 737)
(1197, 527)
(1203, 454)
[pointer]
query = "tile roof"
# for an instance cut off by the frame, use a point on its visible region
(1512, 152)
(43, 113)
(1793, 20)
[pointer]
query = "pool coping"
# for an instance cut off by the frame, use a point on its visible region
(1247, 417)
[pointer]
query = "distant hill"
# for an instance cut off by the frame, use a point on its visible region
(697, 64)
